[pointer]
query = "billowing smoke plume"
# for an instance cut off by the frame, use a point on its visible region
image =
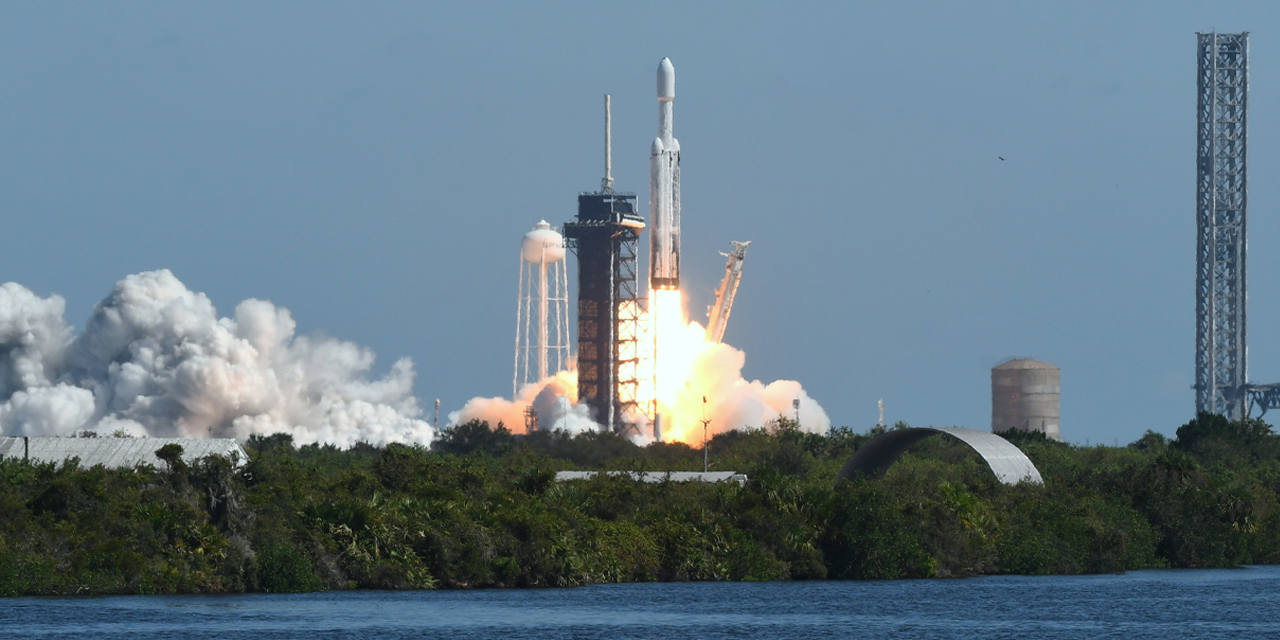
(735, 403)
(715, 373)
(155, 359)
(554, 399)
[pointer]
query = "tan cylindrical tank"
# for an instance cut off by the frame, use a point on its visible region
(1024, 396)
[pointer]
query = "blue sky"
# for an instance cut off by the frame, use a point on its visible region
(372, 166)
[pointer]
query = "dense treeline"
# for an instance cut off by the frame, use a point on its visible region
(483, 509)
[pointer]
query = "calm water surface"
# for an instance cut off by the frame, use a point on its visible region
(1143, 604)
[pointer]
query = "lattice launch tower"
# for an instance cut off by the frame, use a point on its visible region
(605, 237)
(1221, 382)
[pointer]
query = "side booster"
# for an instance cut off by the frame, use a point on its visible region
(664, 190)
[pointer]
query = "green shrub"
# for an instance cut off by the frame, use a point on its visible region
(483, 509)
(282, 568)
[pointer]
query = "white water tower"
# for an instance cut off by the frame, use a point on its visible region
(542, 311)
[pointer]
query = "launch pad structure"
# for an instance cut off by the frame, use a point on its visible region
(605, 238)
(1222, 369)
(614, 322)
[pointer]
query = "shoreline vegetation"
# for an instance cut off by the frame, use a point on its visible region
(483, 510)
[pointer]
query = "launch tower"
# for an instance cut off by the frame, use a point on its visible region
(1221, 197)
(605, 238)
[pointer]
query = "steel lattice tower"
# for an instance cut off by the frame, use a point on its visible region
(1221, 197)
(604, 236)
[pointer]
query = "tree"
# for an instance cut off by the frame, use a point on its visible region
(171, 454)
(474, 436)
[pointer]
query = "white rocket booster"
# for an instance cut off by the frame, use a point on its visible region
(664, 190)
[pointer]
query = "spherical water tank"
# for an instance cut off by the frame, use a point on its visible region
(542, 244)
(1024, 396)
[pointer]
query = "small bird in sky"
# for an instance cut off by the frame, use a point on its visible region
(1001, 158)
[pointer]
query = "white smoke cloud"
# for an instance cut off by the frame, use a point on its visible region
(554, 399)
(47, 411)
(156, 359)
(33, 335)
(733, 403)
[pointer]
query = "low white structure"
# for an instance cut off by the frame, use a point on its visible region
(654, 477)
(116, 453)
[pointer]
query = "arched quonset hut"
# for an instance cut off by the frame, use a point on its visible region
(1010, 465)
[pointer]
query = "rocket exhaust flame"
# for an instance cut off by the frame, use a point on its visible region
(690, 368)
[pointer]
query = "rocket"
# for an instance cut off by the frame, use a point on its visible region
(664, 190)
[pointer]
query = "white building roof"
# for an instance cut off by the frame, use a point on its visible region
(116, 453)
(653, 477)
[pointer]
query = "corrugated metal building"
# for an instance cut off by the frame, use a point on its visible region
(116, 453)
(1009, 464)
(654, 477)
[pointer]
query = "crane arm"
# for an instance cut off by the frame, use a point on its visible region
(718, 313)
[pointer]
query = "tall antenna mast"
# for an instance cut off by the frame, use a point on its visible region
(606, 185)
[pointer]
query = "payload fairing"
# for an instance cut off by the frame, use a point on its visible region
(664, 189)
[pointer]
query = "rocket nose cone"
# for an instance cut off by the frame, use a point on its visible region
(666, 79)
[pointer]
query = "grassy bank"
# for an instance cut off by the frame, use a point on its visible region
(483, 510)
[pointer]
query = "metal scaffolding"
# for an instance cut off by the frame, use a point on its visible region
(718, 313)
(604, 236)
(1221, 196)
(632, 332)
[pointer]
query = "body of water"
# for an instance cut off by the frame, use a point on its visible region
(1143, 604)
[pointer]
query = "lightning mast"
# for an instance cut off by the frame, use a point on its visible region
(1221, 382)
